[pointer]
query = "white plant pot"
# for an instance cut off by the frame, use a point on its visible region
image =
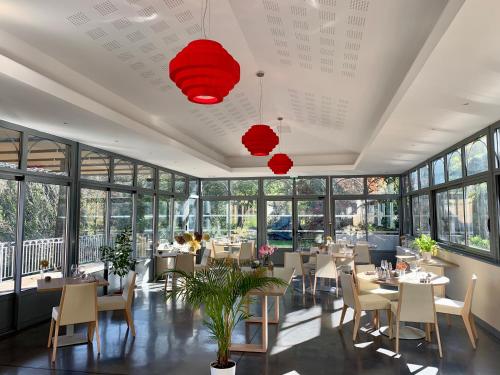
(427, 256)
(223, 371)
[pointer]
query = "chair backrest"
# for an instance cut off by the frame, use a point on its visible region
(325, 266)
(246, 251)
(294, 261)
(205, 256)
(217, 248)
(314, 250)
(439, 290)
(470, 294)
(185, 262)
(78, 303)
(128, 289)
(365, 268)
(363, 254)
(416, 303)
(335, 248)
(362, 283)
(349, 292)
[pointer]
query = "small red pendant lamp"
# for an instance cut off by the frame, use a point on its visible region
(280, 163)
(204, 71)
(260, 139)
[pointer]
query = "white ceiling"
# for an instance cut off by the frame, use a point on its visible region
(365, 86)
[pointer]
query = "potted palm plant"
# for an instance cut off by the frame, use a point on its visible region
(221, 289)
(426, 245)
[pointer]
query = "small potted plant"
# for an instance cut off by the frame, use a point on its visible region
(426, 245)
(222, 289)
(44, 264)
(265, 252)
(120, 256)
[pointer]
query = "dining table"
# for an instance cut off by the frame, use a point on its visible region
(285, 274)
(416, 277)
(57, 284)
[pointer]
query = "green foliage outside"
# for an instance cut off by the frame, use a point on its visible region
(479, 242)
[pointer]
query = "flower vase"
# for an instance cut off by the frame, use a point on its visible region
(427, 256)
(42, 273)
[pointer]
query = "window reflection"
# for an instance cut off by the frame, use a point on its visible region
(47, 156)
(10, 141)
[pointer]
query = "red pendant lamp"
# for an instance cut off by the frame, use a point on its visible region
(260, 139)
(204, 71)
(280, 163)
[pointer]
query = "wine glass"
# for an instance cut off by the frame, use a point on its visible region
(74, 268)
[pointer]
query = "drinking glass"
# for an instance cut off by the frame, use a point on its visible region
(74, 268)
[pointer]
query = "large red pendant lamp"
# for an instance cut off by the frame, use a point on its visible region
(204, 71)
(280, 163)
(260, 139)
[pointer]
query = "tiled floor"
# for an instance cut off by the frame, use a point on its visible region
(171, 340)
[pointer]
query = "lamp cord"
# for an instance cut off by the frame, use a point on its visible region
(203, 17)
(260, 99)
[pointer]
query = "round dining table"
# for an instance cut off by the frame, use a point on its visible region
(405, 332)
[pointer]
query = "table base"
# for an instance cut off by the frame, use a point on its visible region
(405, 332)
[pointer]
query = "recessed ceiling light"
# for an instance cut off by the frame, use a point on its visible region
(116, 141)
(466, 103)
(65, 123)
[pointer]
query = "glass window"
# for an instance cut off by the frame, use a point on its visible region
(121, 214)
(244, 187)
(454, 160)
(8, 220)
(279, 223)
(414, 180)
(214, 188)
(424, 176)
(193, 188)
(456, 215)
(421, 215)
(438, 171)
(383, 185)
(311, 223)
(476, 156)
(184, 216)
(310, 186)
(278, 186)
(346, 186)
(216, 218)
(44, 231)
(165, 181)
(94, 166)
(180, 184)
(164, 228)
(350, 220)
(123, 172)
(476, 216)
(244, 219)
(144, 226)
(383, 223)
(10, 141)
(92, 229)
(145, 177)
(47, 156)
(406, 184)
(443, 231)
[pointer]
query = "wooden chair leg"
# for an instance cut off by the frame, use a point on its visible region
(428, 332)
(357, 320)
(90, 334)
(130, 321)
(389, 321)
(438, 340)
(376, 319)
(448, 319)
(473, 325)
(397, 335)
(98, 339)
(337, 286)
(51, 331)
(469, 330)
(315, 282)
(342, 316)
(54, 344)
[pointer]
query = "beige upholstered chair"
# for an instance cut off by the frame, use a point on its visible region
(205, 259)
(463, 309)
(416, 304)
(362, 254)
(293, 260)
(218, 251)
(78, 305)
(246, 252)
(368, 287)
(439, 290)
(121, 302)
(327, 269)
(360, 303)
(183, 262)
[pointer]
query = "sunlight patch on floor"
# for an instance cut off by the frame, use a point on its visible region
(292, 373)
(300, 316)
(296, 334)
(349, 316)
(413, 367)
(388, 353)
(429, 370)
(362, 345)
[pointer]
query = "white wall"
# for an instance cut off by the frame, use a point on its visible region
(487, 293)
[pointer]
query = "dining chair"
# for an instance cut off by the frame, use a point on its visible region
(334, 248)
(360, 303)
(327, 269)
(369, 287)
(463, 309)
(205, 259)
(78, 305)
(121, 302)
(293, 260)
(219, 252)
(362, 254)
(416, 304)
(246, 252)
(183, 262)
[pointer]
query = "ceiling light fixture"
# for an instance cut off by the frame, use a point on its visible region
(204, 71)
(280, 163)
(260, 139)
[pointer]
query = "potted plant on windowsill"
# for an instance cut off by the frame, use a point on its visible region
(426, 245)
(120, 256)
(222, 289)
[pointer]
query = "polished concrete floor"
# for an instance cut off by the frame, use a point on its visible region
(171, 340)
